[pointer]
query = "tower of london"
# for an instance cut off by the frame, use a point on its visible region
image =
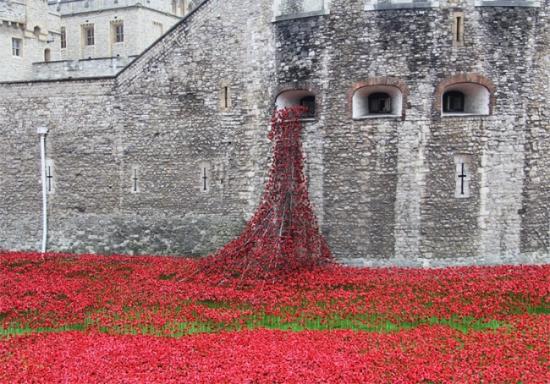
(427, 140)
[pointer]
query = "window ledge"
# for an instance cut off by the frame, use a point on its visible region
(370, 117)
(389, 5)
(322, 12)
(464, 115)
(507, 3)
(305, 120)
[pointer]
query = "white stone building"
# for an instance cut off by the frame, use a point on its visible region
(80, 38)
(29, 32)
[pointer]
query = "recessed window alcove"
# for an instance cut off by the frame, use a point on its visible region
(377, 101)
(465, 94)
(466, 99)
(298, 97)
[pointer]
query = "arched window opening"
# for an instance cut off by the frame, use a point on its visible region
(374, 101)
(466, 99)
(36, 31)
(380, 103)
(453, 102)
(298, 97)
(47, 55)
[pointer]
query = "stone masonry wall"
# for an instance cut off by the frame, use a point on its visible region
(131, 154)
(82, 147)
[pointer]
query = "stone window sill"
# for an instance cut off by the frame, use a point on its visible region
(380, 6)
(306, 120)
(507, 3)
(301, 15)
(372, 117)
(463, 115)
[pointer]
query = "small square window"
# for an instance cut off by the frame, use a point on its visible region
(17, 47)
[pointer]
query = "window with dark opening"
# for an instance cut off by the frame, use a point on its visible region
(380, 102)
(119, 32)
(459, 28)
(47, 55)
(89, 38)
(63, 38)
(453, 102)
(309, 103)
(226, 97)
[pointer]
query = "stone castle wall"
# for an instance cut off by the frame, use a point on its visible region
(130, 153)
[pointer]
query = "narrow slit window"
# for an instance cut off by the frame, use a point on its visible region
(226, 97)
(63, 38)
(458, 28)
(462, 176)
(135, 180)
(50, 177)
(204, 169)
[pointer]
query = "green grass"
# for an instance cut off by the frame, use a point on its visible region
(15, 330)
(362, 323)
(539, 310)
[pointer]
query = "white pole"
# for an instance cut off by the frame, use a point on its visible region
(43, 131)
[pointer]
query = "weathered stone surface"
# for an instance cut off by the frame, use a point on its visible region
(383, 188)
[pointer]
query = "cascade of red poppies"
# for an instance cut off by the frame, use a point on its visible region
(283, 235)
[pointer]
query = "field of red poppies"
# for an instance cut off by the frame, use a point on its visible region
(86, 319)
